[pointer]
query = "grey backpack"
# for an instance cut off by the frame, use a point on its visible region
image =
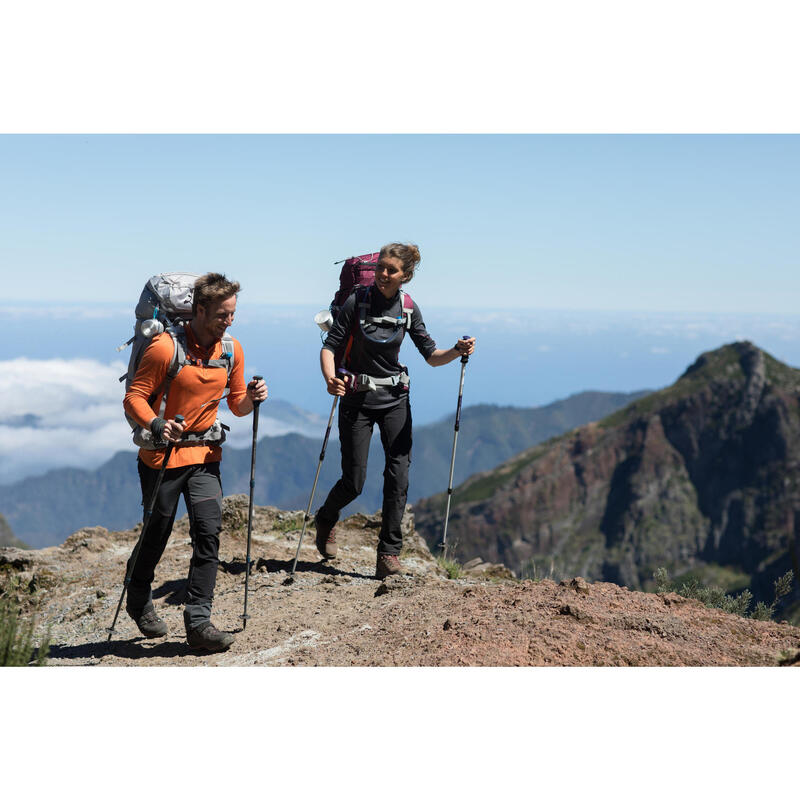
(165, 304)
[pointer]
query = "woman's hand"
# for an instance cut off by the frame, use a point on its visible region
(466, 347)
(336, 386)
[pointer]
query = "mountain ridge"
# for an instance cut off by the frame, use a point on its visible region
(701, 478)
(45, 509)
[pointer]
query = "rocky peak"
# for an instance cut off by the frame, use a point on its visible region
(703, 475)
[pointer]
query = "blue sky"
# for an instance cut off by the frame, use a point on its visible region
(642, 223)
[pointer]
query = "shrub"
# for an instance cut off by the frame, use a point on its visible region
(16, 637)
(451, 567)
(714, 597)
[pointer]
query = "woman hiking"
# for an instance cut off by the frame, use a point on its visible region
(374, 389)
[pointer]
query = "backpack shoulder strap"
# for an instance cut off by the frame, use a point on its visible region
(228, 354)
(362, 303)
(176, 364)
(408, 308)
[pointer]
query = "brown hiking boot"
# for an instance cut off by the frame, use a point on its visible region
(208, 638)
(150, 625)
(326, 539)
(387, 565)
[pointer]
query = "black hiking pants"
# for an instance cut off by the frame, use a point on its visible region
(201, 488)
(355, 432)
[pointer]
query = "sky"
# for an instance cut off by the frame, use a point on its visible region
(616, 222)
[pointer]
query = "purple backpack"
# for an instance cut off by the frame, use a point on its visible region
(356, 271)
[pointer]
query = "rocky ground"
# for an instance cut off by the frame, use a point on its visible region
(337, 614)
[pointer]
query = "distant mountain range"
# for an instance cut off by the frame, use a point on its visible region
(44, 510)
(701, 478)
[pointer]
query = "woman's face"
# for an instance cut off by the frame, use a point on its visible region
(389, 276)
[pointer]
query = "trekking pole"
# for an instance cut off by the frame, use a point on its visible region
(314, 487)
(148, 516)
(464, 360)
(256, 405)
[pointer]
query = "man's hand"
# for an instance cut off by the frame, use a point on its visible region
(257, 391)
(166, 430)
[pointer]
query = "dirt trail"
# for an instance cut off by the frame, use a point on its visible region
(337, 614)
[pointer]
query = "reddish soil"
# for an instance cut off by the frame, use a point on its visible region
(336, 614)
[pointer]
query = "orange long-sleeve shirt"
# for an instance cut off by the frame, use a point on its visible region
(195, 392)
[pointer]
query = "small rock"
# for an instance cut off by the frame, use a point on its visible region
(16, 559)
(473, 562)
(447, 624)
(486, 569)
(94, 539)
(578, 584)
(674, 599)
(100, 593)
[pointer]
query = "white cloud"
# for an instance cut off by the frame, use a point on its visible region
(78, 421)
(28, 451)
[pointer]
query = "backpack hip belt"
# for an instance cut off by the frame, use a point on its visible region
(366, 383)
(215, 435)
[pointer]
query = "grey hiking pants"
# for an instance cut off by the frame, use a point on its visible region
(355, 432)
(201, 488)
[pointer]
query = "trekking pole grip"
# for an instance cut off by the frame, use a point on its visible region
(464, 359)
(257, 403)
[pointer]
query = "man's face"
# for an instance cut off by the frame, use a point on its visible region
(216, 318)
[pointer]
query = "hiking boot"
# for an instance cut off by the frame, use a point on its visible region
(387, 565)
(147, 621)
(207, 637)
(326, 539)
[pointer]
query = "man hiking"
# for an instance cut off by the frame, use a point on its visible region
(193, 468)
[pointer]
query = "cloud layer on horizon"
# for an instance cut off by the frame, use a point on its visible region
(68, 413)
